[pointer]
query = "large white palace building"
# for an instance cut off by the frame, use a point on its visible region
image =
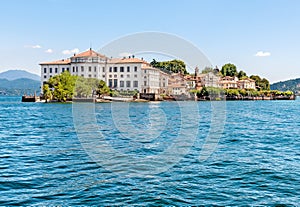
(128, 73)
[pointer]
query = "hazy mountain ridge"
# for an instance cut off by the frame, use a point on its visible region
(291, 85)
(19, 82)
(17, 74)
(19, 87)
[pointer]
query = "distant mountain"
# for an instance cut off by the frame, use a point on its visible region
(19, 87)
(291, 85)
(17, 74)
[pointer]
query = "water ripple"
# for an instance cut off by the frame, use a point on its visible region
(257, 162)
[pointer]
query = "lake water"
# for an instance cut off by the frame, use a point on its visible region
(47, 159)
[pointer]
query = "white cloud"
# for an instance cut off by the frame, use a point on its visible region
(262, 54)
(70, 52)
(33, 46)
(125, 54)
(49, 51)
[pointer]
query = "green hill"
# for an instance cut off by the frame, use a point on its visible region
(19, 87)
(17, 74)
(292, 85)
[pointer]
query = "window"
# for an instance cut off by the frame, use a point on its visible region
(55, 70)
(90, 75)
(128, 68)
(135, 68)
(45, 70)
(50, 70)
(122, 76)
(63, 69)
(135, 76)
(115, 69)
(110, 83)
(135, 84)
(128, 84)
(76, 69)
(121, 69)
(110, 76)
(128, 76)
(82, 69)
(110, 69)
(145, 83)
(145, 77)
(45, 76)
(145, 71)
(68, 69)
(82, 75)
(95, 76)
(115, 83)
(95, 69)
(90, 69)
(103, 76)
(121, 84)
(103, 69)
(73, 69)
(115, 76)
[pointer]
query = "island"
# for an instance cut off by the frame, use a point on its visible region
(93, 76)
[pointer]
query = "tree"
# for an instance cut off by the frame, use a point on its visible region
(203, 92)
(288, 93)
(232, 92)
(265, 84)
(83, 87)
(261, 84)
(242, 74)
(207, 70)
(102, 88)
(242, 92)
(63, 85)
(47, 92)
(229, 70)
(174, 66)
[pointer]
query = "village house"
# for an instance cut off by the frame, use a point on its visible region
(178, 85)
(229, 82)
(246, 84)
(209, 79)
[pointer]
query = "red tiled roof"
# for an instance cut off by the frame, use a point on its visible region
(127, 60)
(247, 79)
(89, 53)
(57, 62)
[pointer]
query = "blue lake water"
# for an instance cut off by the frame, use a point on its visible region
(43, 162)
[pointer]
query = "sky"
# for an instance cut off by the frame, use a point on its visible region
(259, 36)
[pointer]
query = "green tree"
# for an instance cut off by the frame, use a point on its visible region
(63, 85)
(203, 92)
(232, 92)
(102, 88)
(242, 92)
(47, 92)
(83, 87)
(288, 93)
(207, 70)
(261, 84)
(174, 66)
(229, 69)
(242, 74)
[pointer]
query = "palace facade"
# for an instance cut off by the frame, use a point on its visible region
(128, 73)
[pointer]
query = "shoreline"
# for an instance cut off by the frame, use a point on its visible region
(204, 99)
